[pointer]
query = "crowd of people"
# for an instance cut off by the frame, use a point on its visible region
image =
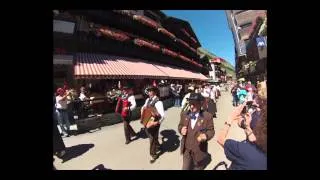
(198, 110)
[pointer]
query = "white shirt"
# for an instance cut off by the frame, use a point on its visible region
(158, 106)
(206, 92)
(61, 104)
(194, 121)
(184, 100)
(132, 100)
(213, 94)
(82, 96)
(249, 96)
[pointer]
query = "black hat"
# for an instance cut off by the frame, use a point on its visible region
(151, 88)
(195, 97)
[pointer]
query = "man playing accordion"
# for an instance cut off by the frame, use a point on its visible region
(154, 107)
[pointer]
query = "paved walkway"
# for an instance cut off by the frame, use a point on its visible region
(107, 146)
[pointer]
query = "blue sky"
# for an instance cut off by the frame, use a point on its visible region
(211, 28)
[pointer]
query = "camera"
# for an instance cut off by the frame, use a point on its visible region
(249, 105)
(243, 123)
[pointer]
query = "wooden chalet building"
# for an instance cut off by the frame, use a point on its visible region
(99, 48)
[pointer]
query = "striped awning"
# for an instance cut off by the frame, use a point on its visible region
(98, 66)
(178, 73)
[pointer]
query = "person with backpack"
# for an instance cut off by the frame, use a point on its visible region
(242, 94)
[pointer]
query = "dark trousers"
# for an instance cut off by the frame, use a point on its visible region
(128, 130)
(189, 162)
(58, 144)
(177, 102)
(153, 134)
(235, 100)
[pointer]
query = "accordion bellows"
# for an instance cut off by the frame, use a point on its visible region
(147, 115)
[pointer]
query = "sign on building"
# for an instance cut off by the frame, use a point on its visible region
(261, 41)
(63, 26)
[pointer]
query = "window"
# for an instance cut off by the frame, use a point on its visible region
(239, 11)
(246, 25)
(63, 26)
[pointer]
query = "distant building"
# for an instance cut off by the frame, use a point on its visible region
(242, 24)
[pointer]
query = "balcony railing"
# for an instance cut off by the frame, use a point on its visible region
(113, 34)
(166, 32)
(147, 21)
(169, 52)
(145, 43)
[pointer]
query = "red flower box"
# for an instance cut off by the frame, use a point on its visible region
(194, 50)
(169, 52)
(184, 58)
(184, 43)
(146, 21)
(185, 32)
(144, 43)
(164, 31)
(113, 34)
(194, 40)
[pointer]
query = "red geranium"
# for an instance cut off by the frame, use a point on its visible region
(169, 52)
(164, 31)
(113, 34)
(146, 21)
(150, 45)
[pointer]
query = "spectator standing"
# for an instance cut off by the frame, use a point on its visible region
(61, 110)
(250, 154)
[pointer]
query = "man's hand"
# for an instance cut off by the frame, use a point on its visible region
(184, 130)
(149, 124)
(152, 124)
(202, 137)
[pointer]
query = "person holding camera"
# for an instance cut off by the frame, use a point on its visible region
(252, 153)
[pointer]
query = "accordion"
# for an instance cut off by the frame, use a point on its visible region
(147, 116)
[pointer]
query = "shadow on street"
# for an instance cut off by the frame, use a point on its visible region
(100, 167)
(170, 141)
(75, 151)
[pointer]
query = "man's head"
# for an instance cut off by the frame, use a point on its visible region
(125, 90)
(152, 91)
(191, 89)
(60, 91)
(83, 89)
(195, 101)
(249, 82)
